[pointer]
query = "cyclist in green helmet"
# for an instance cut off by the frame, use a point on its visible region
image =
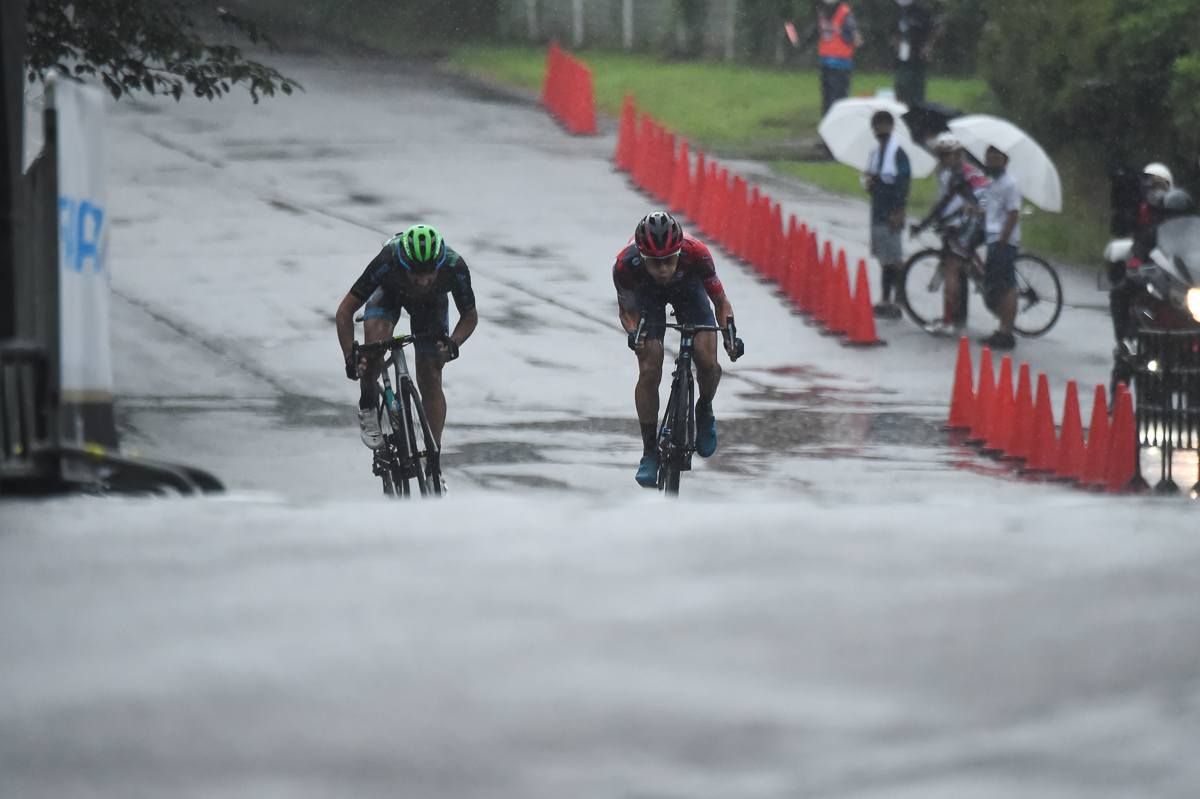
(414, 271)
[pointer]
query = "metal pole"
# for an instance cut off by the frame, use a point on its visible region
(531, 18)
(577, 7)
(12, 133)
(627, 23)
(731, 30)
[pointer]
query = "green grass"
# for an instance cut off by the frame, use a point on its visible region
(717, 104)
(711, 103)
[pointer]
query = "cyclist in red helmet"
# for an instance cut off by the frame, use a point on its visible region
(660, 265)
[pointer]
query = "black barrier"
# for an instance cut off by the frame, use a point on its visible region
(26, 427)
(1167, 393)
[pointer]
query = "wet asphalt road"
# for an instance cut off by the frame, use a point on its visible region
(845, 604)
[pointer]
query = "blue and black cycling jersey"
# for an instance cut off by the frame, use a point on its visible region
(386, 273)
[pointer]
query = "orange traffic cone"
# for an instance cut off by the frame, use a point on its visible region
(1043, 452)
(812, 265)
(1097, 442)
(985, 399)
(681, 180)
(627, 135)
(839, 313)
(774, 264)
(962, 397)
(1000, 429)
(1072, 454)
(664, 175)
(862, 316)
(794, 287)
(1122, 472)
(1022, 436)
(824, 281)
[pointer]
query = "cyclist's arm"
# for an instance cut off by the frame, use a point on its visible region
(344, 319)
(467, 322)
(721, 307)
(464, 301)
(629, 319)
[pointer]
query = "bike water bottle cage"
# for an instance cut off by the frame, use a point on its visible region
(420, 249)
(658, 236)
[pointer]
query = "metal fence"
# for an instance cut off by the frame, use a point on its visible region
(700, 27)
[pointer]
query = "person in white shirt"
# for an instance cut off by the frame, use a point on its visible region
(1002, 207)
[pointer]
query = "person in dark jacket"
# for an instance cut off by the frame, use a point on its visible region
(913, 37)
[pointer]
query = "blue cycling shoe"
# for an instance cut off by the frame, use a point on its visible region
(706, 431)
(647, 474)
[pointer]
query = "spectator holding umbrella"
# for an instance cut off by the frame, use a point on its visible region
(887, 181)
(1002, 208)
(838, 37)
(913, 37)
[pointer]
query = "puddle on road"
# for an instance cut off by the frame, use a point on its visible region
(805, 420)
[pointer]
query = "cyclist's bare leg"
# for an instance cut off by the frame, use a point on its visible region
(645, 395)
(368, 366)
(429, 383)
(708, 371)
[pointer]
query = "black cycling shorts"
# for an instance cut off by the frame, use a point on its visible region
(426, 316)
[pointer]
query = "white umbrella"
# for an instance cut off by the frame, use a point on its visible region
(1028, 163)
(846, 131)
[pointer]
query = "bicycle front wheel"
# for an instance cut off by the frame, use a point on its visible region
(673, 444)
(426, 454)
(1039, 296)
(921, 282)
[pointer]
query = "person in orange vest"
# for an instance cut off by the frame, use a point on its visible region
(837, 36)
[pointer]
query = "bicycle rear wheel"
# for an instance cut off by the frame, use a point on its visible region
(426, 455)
(921, 282)
(1039, 296)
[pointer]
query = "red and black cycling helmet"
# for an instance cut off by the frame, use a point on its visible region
(658, 235)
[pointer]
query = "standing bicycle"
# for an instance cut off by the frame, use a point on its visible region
(414, 272)
(677, 433)
(662, 265)
(959, 220)
(1039, 292)
(1022, 290)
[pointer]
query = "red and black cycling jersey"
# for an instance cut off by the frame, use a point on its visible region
(386, 271)
(695, 261)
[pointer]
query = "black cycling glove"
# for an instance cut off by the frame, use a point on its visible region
(451, 348)
(737, 350)
(633, 340)
(352, 362)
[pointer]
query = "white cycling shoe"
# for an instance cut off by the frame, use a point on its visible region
(368, 428)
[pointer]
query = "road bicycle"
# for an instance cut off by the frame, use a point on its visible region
(409, 452)
(677, 433)
(1039, 291)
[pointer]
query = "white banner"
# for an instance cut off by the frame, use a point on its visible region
(83, 235)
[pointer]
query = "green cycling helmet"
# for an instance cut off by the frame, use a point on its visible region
(420, 249)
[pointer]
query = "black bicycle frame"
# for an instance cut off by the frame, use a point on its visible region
(677, 432)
